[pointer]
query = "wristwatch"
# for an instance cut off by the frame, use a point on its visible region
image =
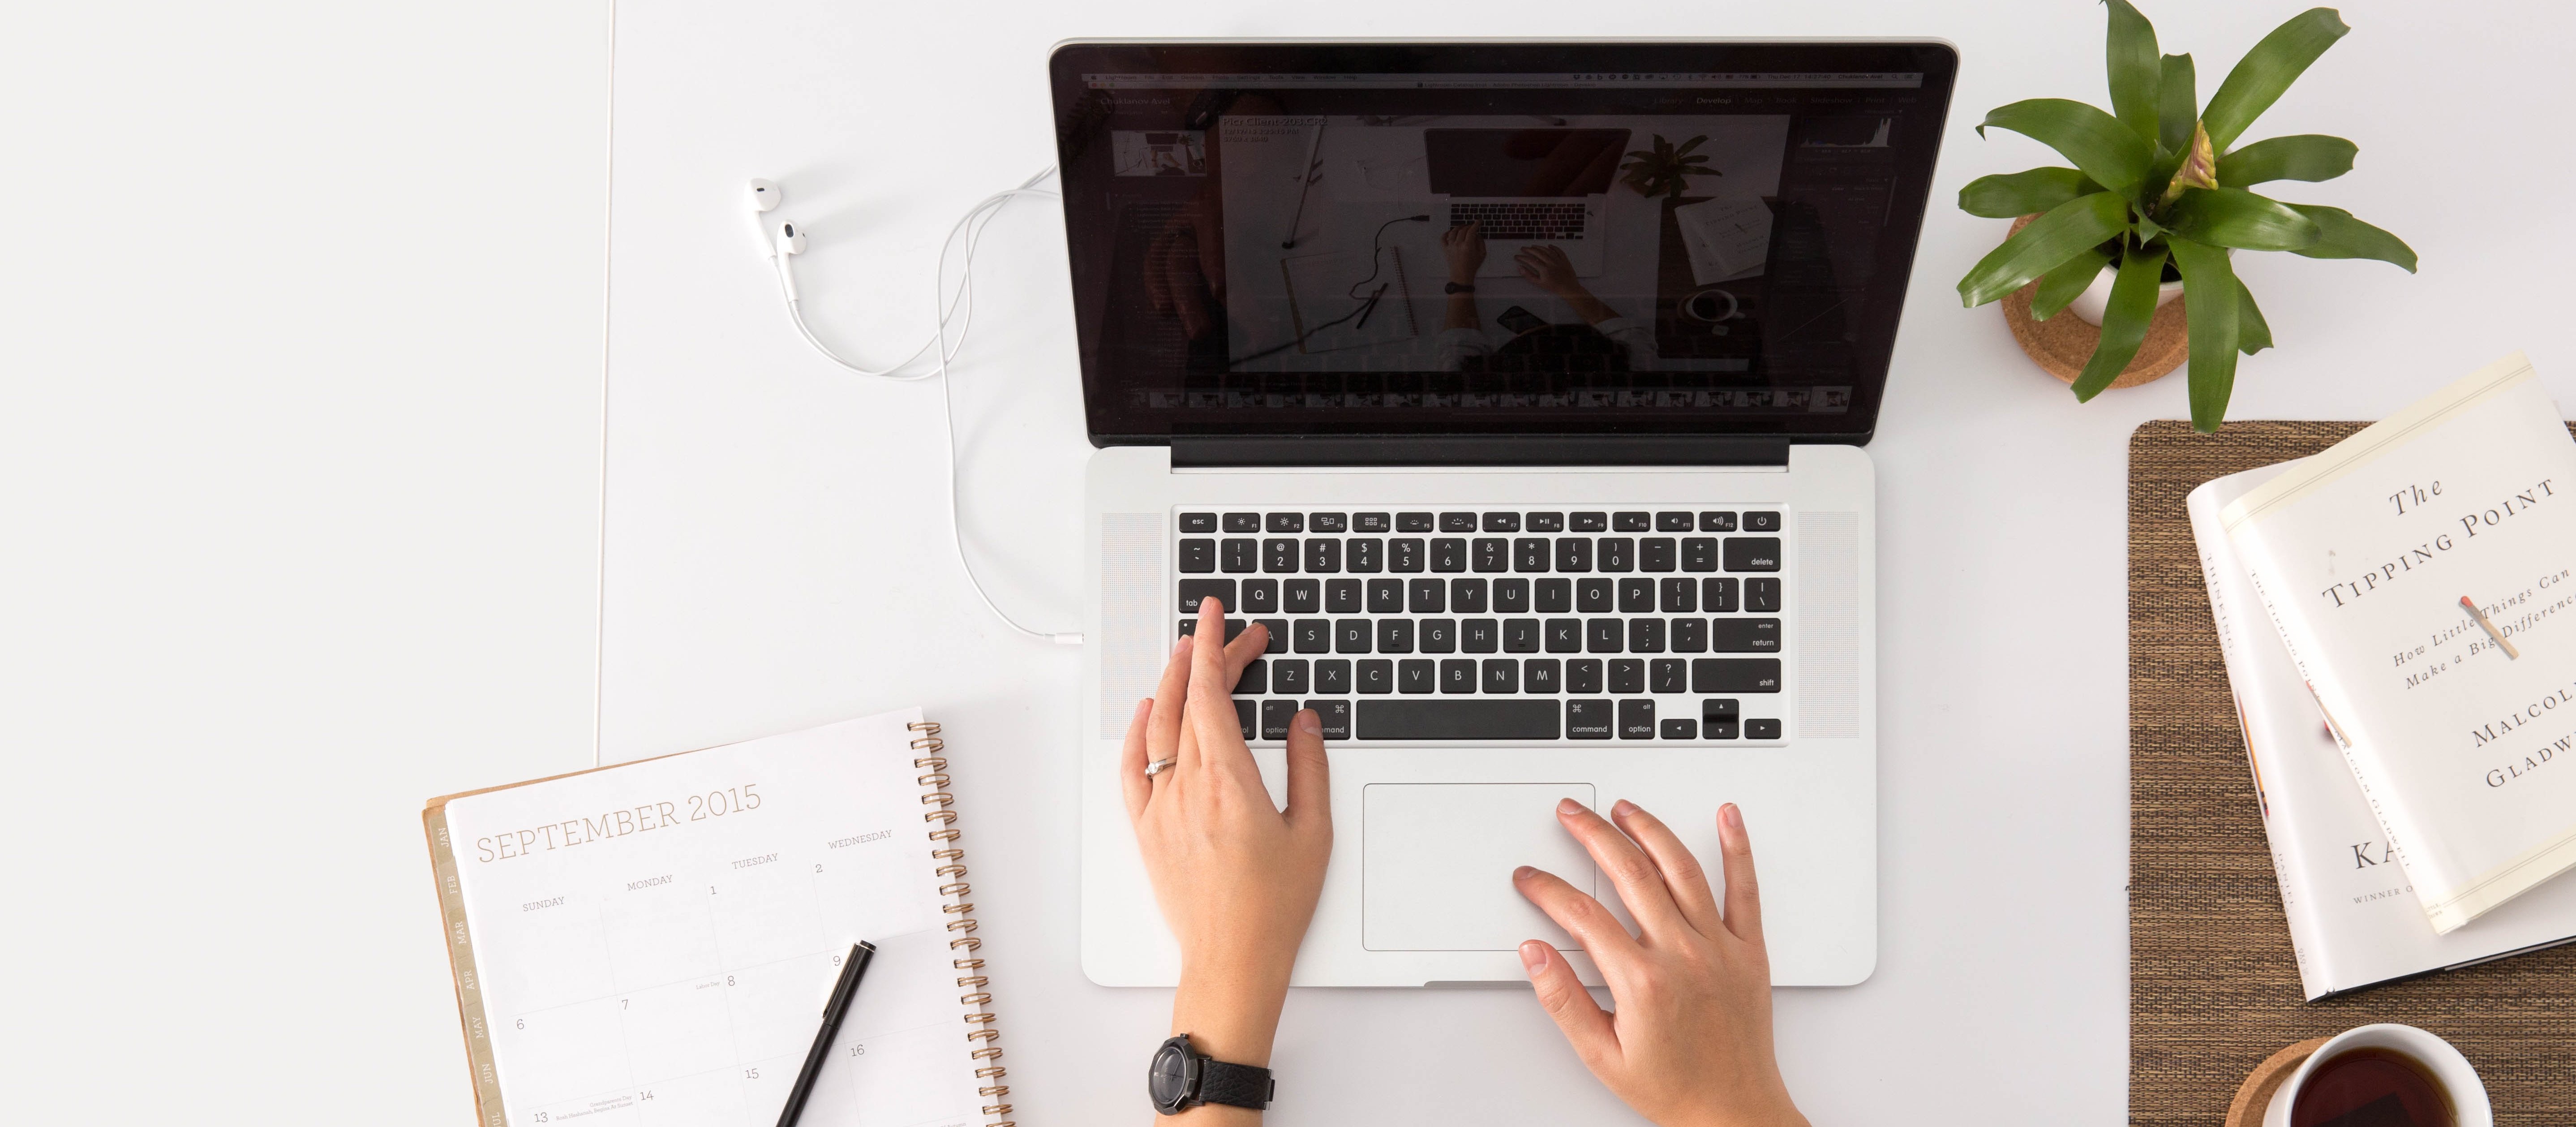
(1182, 1078)
(1454, 287)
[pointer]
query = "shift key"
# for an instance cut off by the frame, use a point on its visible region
(1735, 675)
(1744, 635)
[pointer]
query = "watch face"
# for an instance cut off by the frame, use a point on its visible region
(1169, 1080)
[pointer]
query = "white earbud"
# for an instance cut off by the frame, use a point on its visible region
(764, 196)
(790, 242)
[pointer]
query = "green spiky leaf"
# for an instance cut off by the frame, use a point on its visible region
(2253, 333)
(2124, 320)
(2234, 217)
(2209, 290)
(2067, 281)
(2177, 104)
(2135, 69)
(2090, 140)
(2024, 193)
(2269, 69)
(2051, 239)
(2305, 156)
(2342, 236)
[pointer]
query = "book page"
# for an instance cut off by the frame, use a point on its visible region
(656, 940)
(2361, 555)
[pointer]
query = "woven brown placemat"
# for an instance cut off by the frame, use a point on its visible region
(2213, 989)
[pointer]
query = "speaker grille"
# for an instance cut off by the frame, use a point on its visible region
(1829, 625)
(1135, 634)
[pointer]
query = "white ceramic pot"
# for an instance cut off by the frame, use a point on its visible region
(2089, 305)
(2449, 1068)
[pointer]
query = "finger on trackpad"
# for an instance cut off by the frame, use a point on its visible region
(1437, 858)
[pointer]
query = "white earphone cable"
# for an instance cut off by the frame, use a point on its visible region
(940, 349)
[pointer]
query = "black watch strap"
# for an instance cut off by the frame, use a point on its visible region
(1454, 287)
(1235, 1085)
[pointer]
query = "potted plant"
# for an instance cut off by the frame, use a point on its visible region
(2160, 182)
(1665, 170)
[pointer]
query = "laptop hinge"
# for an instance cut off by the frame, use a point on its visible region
(1483, 450)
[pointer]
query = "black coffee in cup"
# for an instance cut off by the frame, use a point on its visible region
(2372, 1087)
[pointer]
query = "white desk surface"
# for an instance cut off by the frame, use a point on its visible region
(776, 555)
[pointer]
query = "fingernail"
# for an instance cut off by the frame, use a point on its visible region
(1623, 809)
(1523, 873)
(1144, 706)
(1734, 817)
(1182, 646)
(1568, 807)
(1534, 956)
(1310, 723)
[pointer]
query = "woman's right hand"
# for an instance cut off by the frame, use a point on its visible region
(1690, 1042)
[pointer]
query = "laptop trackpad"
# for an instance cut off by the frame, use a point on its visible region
(1437, 858)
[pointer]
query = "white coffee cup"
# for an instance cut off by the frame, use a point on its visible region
(2448, 1067)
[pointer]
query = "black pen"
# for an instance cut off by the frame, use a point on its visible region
(852, 969)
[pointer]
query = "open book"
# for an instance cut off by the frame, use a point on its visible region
(2353, 917)
(653, 942)
(2362, 556)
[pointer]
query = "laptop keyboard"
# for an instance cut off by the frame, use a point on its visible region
(1514, 625)
(1530, 219)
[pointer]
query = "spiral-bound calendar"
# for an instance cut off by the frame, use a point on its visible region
(653, 942)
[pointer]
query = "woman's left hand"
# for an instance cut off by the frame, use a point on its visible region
(1237, 877)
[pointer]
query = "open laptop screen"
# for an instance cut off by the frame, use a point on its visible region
(1519, 238)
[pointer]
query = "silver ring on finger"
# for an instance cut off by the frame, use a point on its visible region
(1159, 766)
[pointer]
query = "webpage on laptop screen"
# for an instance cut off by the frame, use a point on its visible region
(1364, 244)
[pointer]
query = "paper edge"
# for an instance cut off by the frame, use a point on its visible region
(2318, 470)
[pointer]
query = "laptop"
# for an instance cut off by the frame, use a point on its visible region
(1613, 538)
(1525, 187)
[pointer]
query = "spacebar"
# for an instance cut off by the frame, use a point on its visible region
(1523, 719)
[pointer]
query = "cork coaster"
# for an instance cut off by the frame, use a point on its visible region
(2064, 342)
(2254, 1096)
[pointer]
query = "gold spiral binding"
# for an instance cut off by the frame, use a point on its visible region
(981, 1037)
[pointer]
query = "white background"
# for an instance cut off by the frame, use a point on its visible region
(302, 432)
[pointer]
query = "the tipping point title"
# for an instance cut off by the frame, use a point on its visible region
(2414, 499)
